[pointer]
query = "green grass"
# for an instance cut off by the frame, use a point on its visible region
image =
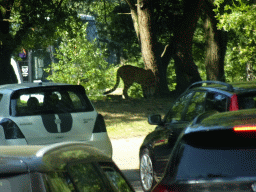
(128, 118)
(133, 129)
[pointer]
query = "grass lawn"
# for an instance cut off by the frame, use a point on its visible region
(128, 118)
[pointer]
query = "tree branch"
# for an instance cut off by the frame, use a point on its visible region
(134, 15)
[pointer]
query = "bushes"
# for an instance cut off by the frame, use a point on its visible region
(81, 62)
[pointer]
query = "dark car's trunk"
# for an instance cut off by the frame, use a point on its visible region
(217, 185)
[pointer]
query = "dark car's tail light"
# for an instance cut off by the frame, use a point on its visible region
(233, 103)
(11, 130)
(100, 125)
(245, 128)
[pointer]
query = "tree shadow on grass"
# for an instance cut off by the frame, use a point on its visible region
(132, 109)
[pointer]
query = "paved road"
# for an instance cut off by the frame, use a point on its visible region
(133, 177)
(126, 156)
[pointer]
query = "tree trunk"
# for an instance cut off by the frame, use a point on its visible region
(186, 70)
(148, 39)
(166, 53)
(144, 27)
(7, 74)
(215, 46)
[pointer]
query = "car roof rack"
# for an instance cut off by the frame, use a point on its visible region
(229, 86)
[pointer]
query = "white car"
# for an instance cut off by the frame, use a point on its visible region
(46, 113)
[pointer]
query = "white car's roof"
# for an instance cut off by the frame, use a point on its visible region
(47, 157)
(37, 150)
(8, 88)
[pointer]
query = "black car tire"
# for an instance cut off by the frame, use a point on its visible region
(147, 178)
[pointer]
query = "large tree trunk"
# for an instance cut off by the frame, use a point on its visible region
(186, 70)
(148, 39)
(144, 26)
(216, 44)
(7, 74)
(166, 52)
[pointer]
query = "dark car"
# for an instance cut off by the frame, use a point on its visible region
(214, 153)
(61, 167)
(197, 99)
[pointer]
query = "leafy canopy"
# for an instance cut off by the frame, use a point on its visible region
(238, 18)
(33, 23)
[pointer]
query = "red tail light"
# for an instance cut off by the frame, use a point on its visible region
(245, 128)
(233, 103)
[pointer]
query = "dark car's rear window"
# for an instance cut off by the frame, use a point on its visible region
(45, 100)
(215, 153)
(212, 163)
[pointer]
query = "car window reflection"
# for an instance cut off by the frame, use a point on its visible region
(196, 106)
(175, 114)
(116, 179)
(58, 182)
(86, 177)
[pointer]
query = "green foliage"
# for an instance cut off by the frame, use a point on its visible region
(115, 25)
(238, 19)
(33, 22)
(135, 90)
(171, 76)
(99, 9)
(120, 30)
(80, 62)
